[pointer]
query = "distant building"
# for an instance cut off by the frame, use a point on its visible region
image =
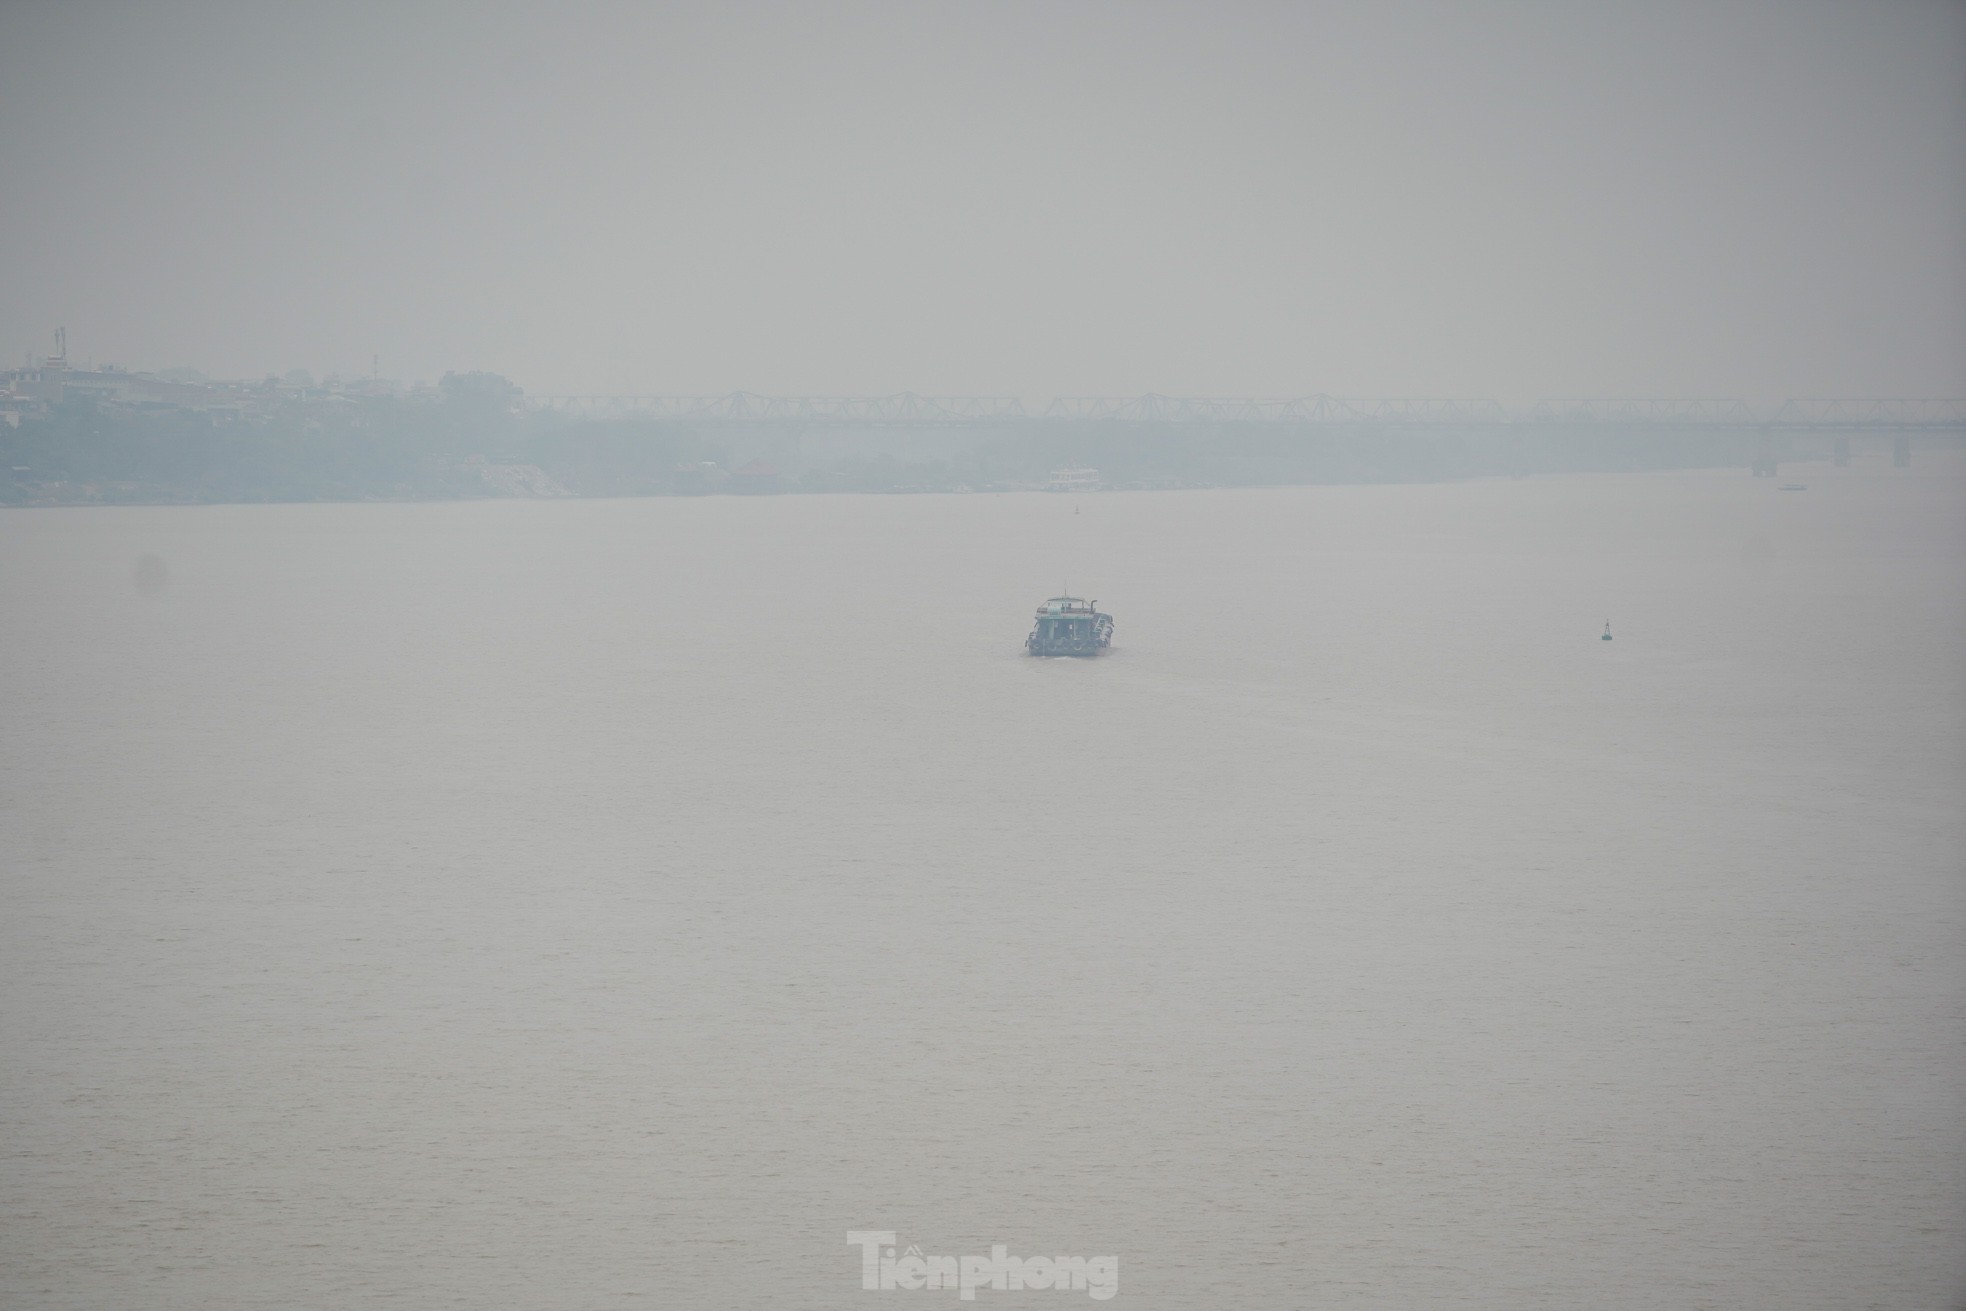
(696, 479)
(53, 382)
(1073, 480)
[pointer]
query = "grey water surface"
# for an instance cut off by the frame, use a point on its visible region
(600, 903)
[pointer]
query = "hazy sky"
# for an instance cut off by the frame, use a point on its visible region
(1507, 200)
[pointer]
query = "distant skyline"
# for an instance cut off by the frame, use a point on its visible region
(1507, 200)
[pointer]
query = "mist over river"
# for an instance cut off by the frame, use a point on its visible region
(614, 902)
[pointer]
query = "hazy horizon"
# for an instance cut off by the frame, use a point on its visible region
(1512, 201)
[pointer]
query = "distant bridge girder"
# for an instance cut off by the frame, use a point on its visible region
(1155, 408)
(1422, 410)
(1881, 412)
(902, 408)
(1674, 411)
(909, 409)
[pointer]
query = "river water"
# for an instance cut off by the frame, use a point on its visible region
(599, 903)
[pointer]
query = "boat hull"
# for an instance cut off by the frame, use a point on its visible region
(1067, 626)
(1056, 649)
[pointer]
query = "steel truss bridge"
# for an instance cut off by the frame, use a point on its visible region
(908, 410)
(905, 409)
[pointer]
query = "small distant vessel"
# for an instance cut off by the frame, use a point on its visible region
(1795, 487)
(1070, 626)
(1607, 632)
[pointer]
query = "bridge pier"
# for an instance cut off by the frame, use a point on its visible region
(1842, 451)
(1901, 452)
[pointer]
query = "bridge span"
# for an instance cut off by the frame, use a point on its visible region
(1835, 415)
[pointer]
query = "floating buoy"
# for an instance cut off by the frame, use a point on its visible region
(1607, 632)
